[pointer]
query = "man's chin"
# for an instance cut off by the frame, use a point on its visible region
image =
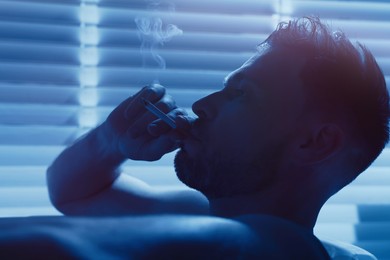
(198, 174)
(221, 178)
(181, 163)
(188, 171)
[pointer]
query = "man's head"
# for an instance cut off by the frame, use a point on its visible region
(340, 78)
(308, 102)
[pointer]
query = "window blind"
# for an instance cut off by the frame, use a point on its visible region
(64, 65)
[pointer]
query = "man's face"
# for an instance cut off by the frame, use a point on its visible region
(243, 130)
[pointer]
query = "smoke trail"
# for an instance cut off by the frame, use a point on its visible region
(153, 34)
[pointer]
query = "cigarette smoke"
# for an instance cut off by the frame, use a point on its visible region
(153, 34)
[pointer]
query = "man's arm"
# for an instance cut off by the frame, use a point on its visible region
(85, 178)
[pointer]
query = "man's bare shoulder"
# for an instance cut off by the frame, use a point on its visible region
(199, 237)
(155, 236)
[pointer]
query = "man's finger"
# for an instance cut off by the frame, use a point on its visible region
(136, 108)
(166, 104)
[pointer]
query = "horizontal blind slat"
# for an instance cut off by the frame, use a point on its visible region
(350, 10)
(380, 248)
(202, 41)
(201, 6)
(36, 114)
(355, 232)
(169, 77)
(377, 194)
(362, 29)
(351, 213)
(187, 60)
(49, 12)
(39, 94)
(39, 53)
(42, 33)
(38, 135)
(125, 18)
(73, 95)
(379, 47)
(39, 73)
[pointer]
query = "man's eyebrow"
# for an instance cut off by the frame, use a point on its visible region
(228, 78)
(236, 76)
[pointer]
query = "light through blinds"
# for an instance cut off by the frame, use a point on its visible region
(64, 65)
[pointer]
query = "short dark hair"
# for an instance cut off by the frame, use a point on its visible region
(341, 76)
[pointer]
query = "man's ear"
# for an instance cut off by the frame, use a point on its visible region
(320, 144)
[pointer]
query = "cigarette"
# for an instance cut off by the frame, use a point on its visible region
(157, 112)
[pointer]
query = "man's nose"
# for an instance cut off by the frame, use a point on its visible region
(205, 108)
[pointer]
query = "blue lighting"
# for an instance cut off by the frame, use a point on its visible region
(89, 35)
(89, 13)
(88, 97)
(89, 76)
(89, 56)
(88, 117)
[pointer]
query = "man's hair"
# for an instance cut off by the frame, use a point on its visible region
(342, 78)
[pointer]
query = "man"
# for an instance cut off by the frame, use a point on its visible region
(292, 126)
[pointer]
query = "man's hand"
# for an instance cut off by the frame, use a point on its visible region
(137, 134)
(85, 179)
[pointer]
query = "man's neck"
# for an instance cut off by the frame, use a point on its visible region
(303, 210)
